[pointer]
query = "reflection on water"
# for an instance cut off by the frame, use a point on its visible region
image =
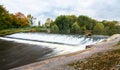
(24, 48)
(16, 54)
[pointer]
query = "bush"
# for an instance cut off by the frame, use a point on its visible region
(54, 29)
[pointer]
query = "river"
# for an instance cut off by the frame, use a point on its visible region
(25, 48)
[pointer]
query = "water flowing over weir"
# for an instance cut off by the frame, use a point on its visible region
(57, 38)
(26, 48)
(61, 43)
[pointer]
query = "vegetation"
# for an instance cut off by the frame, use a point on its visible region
(118, 43)
(67, 24)
(54, 29)
(30, 19)
(99, 28)
(71, 24)
(8, 20)
(13, 23)
(17, 30)
(75, 28)
(63, 24)
(103, 61)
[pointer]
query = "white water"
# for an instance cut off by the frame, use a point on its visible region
(76, 42)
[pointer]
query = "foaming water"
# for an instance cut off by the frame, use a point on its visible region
(60, 43)
(24, 48)
(57, 38)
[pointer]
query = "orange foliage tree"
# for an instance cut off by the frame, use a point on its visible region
(21, 19)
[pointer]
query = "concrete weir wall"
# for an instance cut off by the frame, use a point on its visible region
(60, 61)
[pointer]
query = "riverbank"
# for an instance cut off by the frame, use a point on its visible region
(18, 30)
(102, 61)
(61, 62)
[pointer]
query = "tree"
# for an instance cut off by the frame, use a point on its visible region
(8, 20)
(112, 27)
(75, 28)
(30, 19)
(5, 20)
(83, 29)
(110, 24)
(47, 23)
(21, 20)
(63, 24)
(72, 19)
(54, 28)
(38, 23)
(99, 29)
(86, 21)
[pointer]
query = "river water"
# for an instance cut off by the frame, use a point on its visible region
(25, 48)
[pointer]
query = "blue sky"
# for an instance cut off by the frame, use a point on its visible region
(42, 9)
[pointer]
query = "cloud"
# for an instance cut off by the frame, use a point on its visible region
(42, 9)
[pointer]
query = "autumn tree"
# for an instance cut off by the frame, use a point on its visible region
(21, 19)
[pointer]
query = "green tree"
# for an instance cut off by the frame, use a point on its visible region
(63, 24)
(52, 23)
(86, 21)
(54, 29)
(75, 28)
(112, 27)
(110, 24)
(30, 19)
(99, 29)
(5, 20)
(72, 19)
(114, 30)
(39, 23)
(83, 29)
(47, 23)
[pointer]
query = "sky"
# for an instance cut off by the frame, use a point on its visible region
(43, 9)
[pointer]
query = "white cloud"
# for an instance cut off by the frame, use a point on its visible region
(42, 9)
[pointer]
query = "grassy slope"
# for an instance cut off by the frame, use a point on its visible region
(17, 30)
(102, 61)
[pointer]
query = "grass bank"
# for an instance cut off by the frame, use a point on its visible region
(17, 30)
(102, 61)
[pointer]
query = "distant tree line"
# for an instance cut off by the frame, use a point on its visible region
(71, 24)
(68, 24)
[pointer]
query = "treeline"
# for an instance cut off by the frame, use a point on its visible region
(68, 24)
(8, 20)
(72, 24)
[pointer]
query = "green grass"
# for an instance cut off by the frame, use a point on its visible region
(11, 31)
(17, 30)
(103, 61)
(118, 43)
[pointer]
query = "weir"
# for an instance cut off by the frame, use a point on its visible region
(41, 46)
(58, 38)
(61, 43)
